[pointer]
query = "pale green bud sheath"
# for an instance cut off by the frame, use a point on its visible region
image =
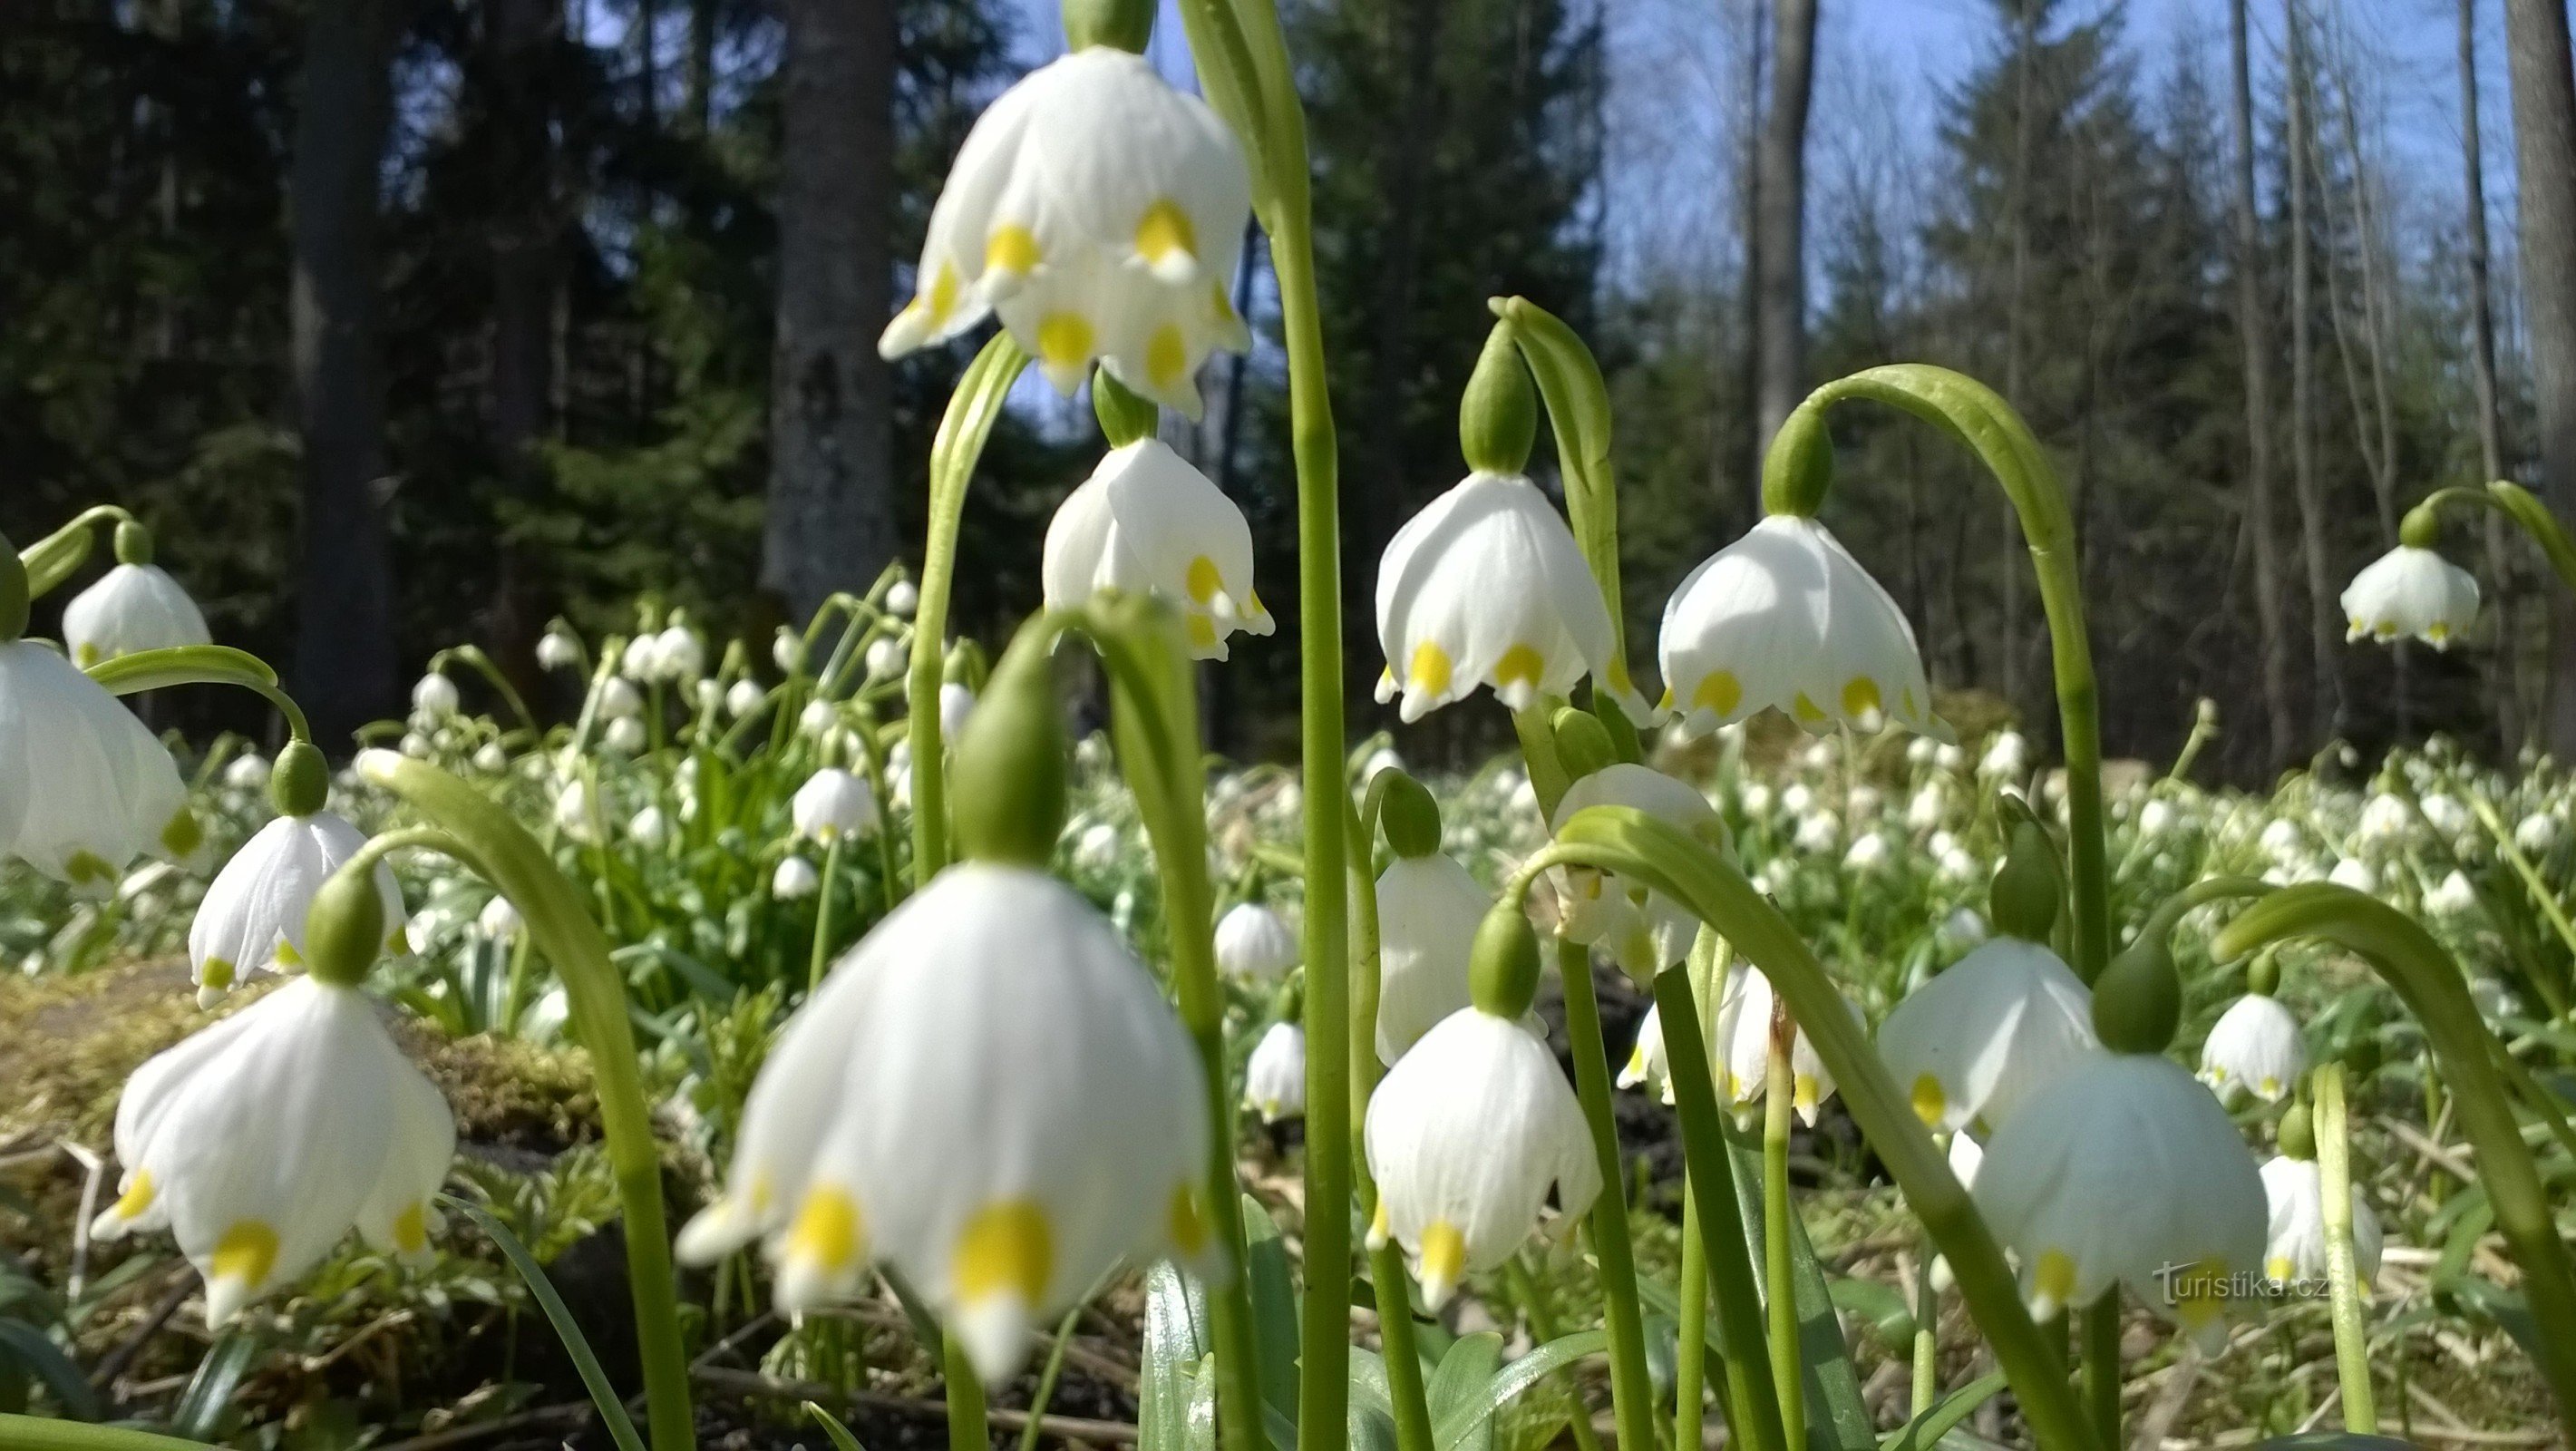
(1498, 416)
(1582, 743)
(133, 543)
(1010, 800)
(2027, 887)
(13, 593)
(1503, 972)
(2298, 1138)
(300, 782)
(1119, 24)
(345, 929)
(1409, 815)
(2137, 1001)
(1124, 417)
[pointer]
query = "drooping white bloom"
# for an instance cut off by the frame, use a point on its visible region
(2125, 1172)
(1755, 797)
(648, 828)
(833, 803)
(2253, 1048)
(1869, 855)
(558, 650)
(252, 918)
(625, 736)
(1647, 1066)
(2007, 757)
(247, 772)
(575, 814)
(1642, 930)
(84, 787)
(1100, 212)
(2453, 897)
(1744, 1044)
(1785, 618)
(787, 651)
(133, 607)
(2155, 818)
(2445, 813)
(2355, 873)
(2295, 1247)
(743, 697)
(434, 697)
(886, 658)
(2538, 832)
(259, 1141)
(902, 597)
(794, 879)
(1486, 586)
(2385, 817)
(818, 718)
(956, 702)
(2411, 591)
(989, 1093)
(2282, 840)
(1274, 1082)
(618, 697)
(1096, 849)
(679, 655)
(1982, 1039)
(1253, 944)
(499, 920)
(491, 758)
(1146, 522)
(1930, 805)
(1466, 1135)
(1428, 910)
(1961, 930)
(1817, 833)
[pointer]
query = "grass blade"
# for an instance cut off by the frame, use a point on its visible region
(612, 1410)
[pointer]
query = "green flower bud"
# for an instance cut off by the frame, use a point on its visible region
(133, 543)
(1503, 968)
(1124, 417)
(2028, 887)
(1408, 815)
(2421, 528)
(1010, 769)
(300, 782)
(1498, 416)
(345, 928)
(2263, 976)
(1799, 468)
(1120, 24)
(966, 665)
(1582, 742)
(2298, 1138)
(13, 593)
(2137, 1001)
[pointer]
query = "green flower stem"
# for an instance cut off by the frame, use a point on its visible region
(2421, 527)
(1689, 871)
(1752, 1396)
(502, 851)
(1779, 1264)
(822, 954)
(2099, 1327)
(2541, 895)
(2432, 987)
(1632, 1389)
(1799, 469)
(200, 665)
(972, 411)
(37, 1433)
(1532, 1300)
(1927, 1334)
(59, 555)
(2343, 1269)
(492, 674)
(1690, 1363)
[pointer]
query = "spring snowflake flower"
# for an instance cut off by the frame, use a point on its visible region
(2007, 757)
(641, 659)
(1095, 851)
(1466, 1136)
(434, 698)
(956, 702)
(648, 828)
(619, 699)
(499, 921)
(259, 1141)
(1869, 855)
(2356, 874)
(1100, 212)
(901, 598)
(2126, 1172)
(679, 655)
(794, 880)
(1785, 618)
(84, 787)
(1147, 522)
(1486, 586)
(1274, 1082)
(743, 697)
(787, 651)
(2410, 591)
(247, 772)
(1253, 944)
(132, 608)
(1428, 910)
(1928, 808)
(1642, 930)
(558, 650)
(625, 736)
(2253, 1048)
(882, 1126)
(886, 658)
(2445, 814)
(2295, 1247)
(1743, 1046)
(2155, 818)
(1980, 1040)
(2537, 833)
(1647, 1067)
(833, 803)
(252, 918)
(576, 816)
(2385, 817)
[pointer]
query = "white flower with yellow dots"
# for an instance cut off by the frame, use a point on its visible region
(1428, 910)
(2253, 1048)
(1982, 1038)
(1486, 586)
(2411, 591)
(132, 608)
(259, 1142)
(2295, 1241)
(1147, 522)
(252, 918)
(1642, 930)
(1100, 212)
(84, 787)
(1274, 1082)
(1785, 618)
(1647, 1067)
(833, 804)
(2126, 1172)
(989, 1094)
(1466, 1136)
(1743, 1050)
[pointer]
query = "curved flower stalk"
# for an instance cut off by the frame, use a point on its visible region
(133, 607)
(2413, 591)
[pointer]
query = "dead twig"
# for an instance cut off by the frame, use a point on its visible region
(740, 1382)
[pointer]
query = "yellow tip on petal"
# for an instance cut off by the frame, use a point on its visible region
(1011, 249)
(1429, 669)
(1183, 1221)
(1860, 695)
(2052, 1281)
(1064, 340)
(1931, 1104)
(1719, 691)
(827, 1233)
(1164, 235)
(1443, 1261)
(239, 1267)
(1007, 1246)
(1203, 580)
(941, 299)
(1520, 665)
(1806, 710)
(411, 1229)
(1167, 357)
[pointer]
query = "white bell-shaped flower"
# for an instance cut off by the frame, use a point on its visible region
(434, 697)
(259, 1141)
(989, 1093)
(1100, 212)
(558, 649)
(577, 814)
(618, 697)
(2007, 757)
(2126, 1172)
(1785, 618)
(886, 657)
(1647, 1067)
(252, 918)
(956, 702)
(743, 697)
(625, 736)
(902, 597)
(2255, 1048)
(2295, 1243)
(787, 650)
(1146, 522)
(648, 828)
(499, 921)
(679, 655)
(84, 787)
(2411, 591)
(1486, 586)
(832, 804)
(1980, 1040)
(2453, 896)
(1274, 1082)
(1254, 944)
(1466, 1136)
(1428, 910)
(1642, 930)
(133, 607)
(1744, 1044)
(795, 879)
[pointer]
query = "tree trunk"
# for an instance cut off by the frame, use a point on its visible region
(344, 654)
(2504, 685)
(2325, 640)
(699, 81)
(526, 225)
(1749, 299)
(1781, 219)
(2253, 329)
(831, 509)
(2544, 141)
(2008, 535)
